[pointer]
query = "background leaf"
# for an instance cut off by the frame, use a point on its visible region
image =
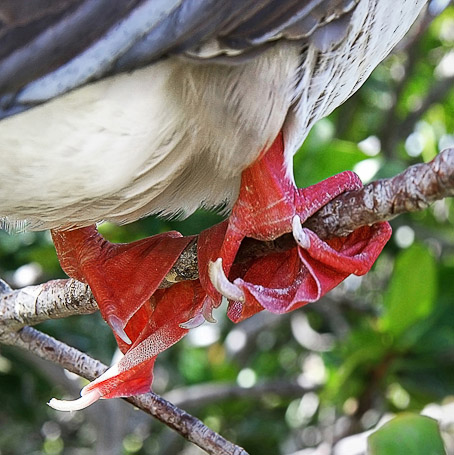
(407, 434)
(412, 291)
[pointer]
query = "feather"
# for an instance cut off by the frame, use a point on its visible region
(44, 53)
(176, 135)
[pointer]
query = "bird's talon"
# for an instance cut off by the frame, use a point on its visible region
(195, 321)
(75, 405)
(222, 283)
(118, 329)
(300, 236)
(207, 311)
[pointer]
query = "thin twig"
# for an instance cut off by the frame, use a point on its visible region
(202, 394)
(188, 426)
(185, 424)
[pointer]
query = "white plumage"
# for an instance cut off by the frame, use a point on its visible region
(176, 135)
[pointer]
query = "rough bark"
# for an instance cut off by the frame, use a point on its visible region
(412, 190)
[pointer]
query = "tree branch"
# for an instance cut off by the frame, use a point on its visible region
(189, 427)
(34, 304)
(412, 190)
(202, 394)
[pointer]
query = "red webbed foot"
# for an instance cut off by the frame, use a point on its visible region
(154, 327)
(269, 206)
(124, 279)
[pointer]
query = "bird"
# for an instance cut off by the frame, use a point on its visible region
(116, 110)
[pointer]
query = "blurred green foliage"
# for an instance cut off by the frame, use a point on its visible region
(415, 434)
(378, 344)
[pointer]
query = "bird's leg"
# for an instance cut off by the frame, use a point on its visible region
(122, 277)
(153, 328)
(146, 320)
(269, 205)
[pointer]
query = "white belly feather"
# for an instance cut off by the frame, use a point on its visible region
(165, 138)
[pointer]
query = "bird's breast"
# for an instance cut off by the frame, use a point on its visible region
(166, 138)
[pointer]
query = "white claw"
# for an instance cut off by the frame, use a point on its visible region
(222, 283)
(117, 327)
(205, 314)
(207, 311)
(194, 322)
(301, 238)
(75, 405)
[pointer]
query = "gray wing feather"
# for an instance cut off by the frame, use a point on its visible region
(32, 45)
(57, 46)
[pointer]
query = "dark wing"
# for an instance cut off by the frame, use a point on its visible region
(49, 47)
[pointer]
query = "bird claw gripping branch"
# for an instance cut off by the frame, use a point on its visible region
(269, 205)
(147, 320)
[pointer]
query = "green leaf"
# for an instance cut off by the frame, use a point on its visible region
(356, 356)
(407, 433)
(412, 290)
(319, 159)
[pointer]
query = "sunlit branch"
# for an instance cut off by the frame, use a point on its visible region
(412, 190)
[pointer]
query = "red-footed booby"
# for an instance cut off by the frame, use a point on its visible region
(114, 110)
